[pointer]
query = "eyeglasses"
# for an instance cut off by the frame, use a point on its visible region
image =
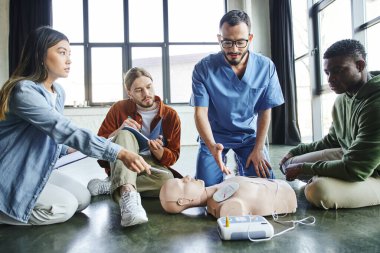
(231, 43)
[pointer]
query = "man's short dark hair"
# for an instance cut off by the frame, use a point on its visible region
(346, 47)
(235, 17)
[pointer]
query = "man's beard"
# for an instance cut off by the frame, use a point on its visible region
(237, 61)
(145, 106)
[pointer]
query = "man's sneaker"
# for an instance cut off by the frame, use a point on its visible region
(99, 187)
(132, 212)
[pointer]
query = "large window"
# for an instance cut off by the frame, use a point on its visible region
(373, 50)
(167, 37)
(332, 27)
(302, 69)
(372, 28)
(372, 9)
(328, 22)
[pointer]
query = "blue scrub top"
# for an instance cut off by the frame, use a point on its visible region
(233, 104)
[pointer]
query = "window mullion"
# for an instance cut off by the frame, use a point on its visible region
(165, 55)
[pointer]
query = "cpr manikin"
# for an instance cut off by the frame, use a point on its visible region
(235, 196)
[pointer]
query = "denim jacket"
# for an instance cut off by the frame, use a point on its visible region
(32, 137)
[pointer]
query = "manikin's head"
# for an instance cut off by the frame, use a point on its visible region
(177, 194)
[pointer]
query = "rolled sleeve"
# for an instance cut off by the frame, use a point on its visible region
(112, 150)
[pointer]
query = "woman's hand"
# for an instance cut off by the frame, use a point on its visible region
(133, 161)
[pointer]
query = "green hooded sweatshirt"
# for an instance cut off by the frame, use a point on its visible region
(355, 129)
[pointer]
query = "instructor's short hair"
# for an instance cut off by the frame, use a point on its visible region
(235, 17)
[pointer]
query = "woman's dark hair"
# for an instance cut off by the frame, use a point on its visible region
(31, 65)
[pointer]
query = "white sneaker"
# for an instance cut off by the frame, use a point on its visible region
(132, 212)
(99, 187)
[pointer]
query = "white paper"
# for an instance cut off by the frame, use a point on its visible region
(70, 158)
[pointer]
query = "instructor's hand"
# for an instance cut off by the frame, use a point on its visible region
(216, 151)
(260, 164)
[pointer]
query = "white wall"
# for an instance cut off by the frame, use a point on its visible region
(259, 13)
(91, 118)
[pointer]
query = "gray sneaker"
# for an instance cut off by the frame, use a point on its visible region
(99, 187)
(132, 212)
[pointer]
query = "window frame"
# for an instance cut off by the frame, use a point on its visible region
(359, 27)
(127, 52)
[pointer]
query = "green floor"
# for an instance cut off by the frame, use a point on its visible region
(97, 228)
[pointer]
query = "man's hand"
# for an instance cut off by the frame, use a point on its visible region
(133, 161)
(131, 123)
(216, 151)
(285, 158)
(260, 164)
(156, 147)
(282, 162)
(128, 122)
(293, 171)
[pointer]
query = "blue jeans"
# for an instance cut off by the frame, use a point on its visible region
(208, 171)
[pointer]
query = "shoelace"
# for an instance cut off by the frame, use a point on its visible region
(104, 187)
(129, 202)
